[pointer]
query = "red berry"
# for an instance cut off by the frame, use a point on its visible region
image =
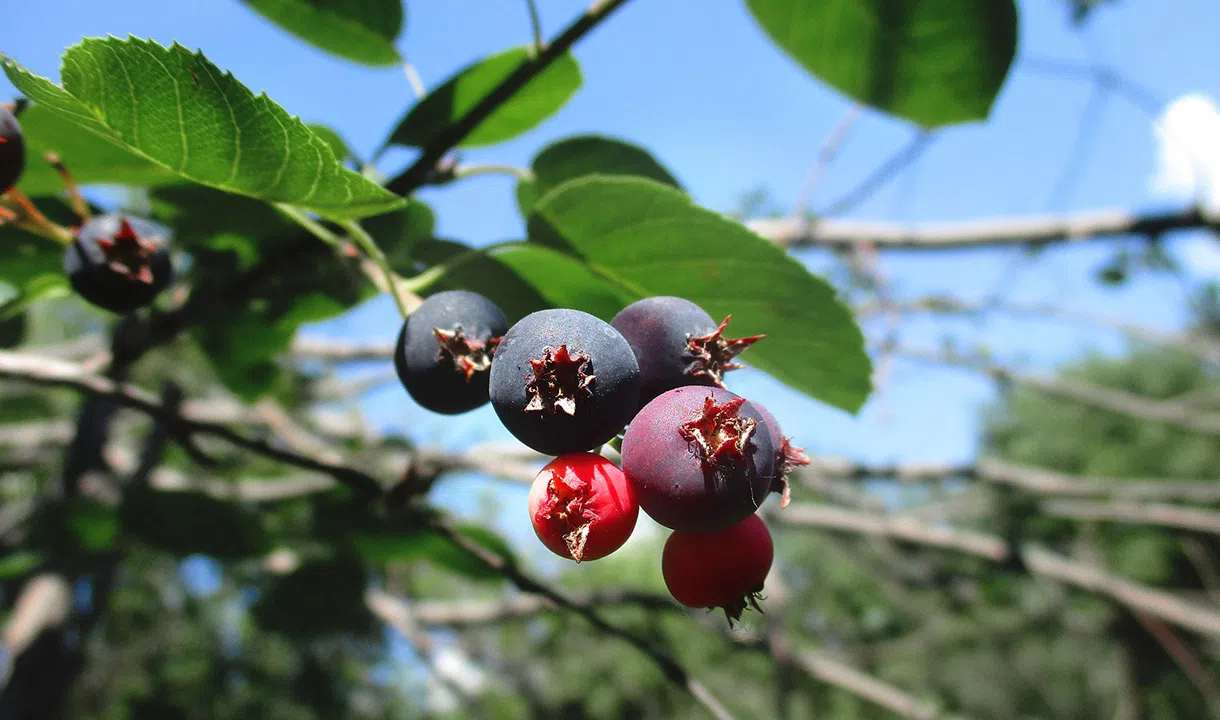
(724, 569)
(582, 506)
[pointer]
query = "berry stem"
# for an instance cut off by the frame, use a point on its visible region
(314, 227)
(535, 26)
(396, 286)
(22, 214)
(465, 171)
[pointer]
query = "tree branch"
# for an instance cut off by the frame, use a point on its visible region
(1121, 402)
(829, 670)
(1166, 606)
(55, 373)
(1158, 514)
(1029, 230)
(668, 665)
(418, 174)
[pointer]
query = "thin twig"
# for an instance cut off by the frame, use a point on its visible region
(826, 154)
(417, 175)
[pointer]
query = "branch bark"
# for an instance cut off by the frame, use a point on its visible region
(1028, 230)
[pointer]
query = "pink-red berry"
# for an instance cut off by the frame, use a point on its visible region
(723, 570)
(582, 506)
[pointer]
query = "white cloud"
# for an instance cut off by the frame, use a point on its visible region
(1188, 157)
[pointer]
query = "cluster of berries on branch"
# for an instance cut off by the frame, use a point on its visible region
(695, 457)
(116, 262)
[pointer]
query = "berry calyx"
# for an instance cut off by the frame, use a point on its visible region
(12, 150)
(696, 461)
(564, 381)
(719, 432)
(712, 354)
(445, 348)
(582, 507)
(725, 569)
(676, 343)
(560, 379)
(787, 456)
(118, 262)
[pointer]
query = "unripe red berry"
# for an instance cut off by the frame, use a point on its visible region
(724, 569)
(582, 506)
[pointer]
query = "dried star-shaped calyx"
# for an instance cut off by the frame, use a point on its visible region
(719, 433)
(468, 356)
(559, 381)
(712, 354)
(127, 253)
(565, 503)
(788, 457)
(733, 610)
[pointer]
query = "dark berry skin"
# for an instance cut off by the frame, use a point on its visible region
(677, 344)
(564, 381)
(697, 466)
(444, 351)
(119, 263)
(12, 151)
(787, 455)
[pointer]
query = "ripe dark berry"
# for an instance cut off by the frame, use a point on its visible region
(444, 351)
(12, 150)
(699, 459)
(676, 343)
(564, 381)
(119, 263)
(723, 570)
(787, 455)
(582, 506)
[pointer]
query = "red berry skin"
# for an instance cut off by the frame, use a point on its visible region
(582, 506)
(676, 484)
(723, 570)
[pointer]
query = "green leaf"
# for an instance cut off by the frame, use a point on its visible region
(386, 545)
(176, 109)
(337, 144)
(934, 62)
(581, 155)
(20, 563)
(652, 239)
(91, 160)
(363, 31)
(523, 277)
(189, 522)
(541, 98)
(34, 265)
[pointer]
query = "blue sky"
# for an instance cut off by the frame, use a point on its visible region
(697, 83)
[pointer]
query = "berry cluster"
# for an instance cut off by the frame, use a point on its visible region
(695, 457)
(116, 262)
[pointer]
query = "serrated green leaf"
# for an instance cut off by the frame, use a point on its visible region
(337, 144)
(363, 31)
(178, 110)
(523, 277)
(581, 155)
(91, 160)
(934, 62)
(541, 98)
(654, 240)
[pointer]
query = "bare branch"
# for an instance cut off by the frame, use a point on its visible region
(1121, 402)
(829, 670)
(57, 373)
(1029, 230)
(1159, 514)
(1201, 347)
(668, 665)
(1166, 606)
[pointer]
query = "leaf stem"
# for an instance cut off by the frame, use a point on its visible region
(416, 82)
(416, 176)
(395, 285)
(535, 26)
(465, 171)
(425, 279)
(314, 227)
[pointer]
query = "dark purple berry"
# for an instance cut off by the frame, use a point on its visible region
(444, 351)
(676, 344)
(563, 381)
(700, 459)
(787, 455)
(12, 150)
(119, 263)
